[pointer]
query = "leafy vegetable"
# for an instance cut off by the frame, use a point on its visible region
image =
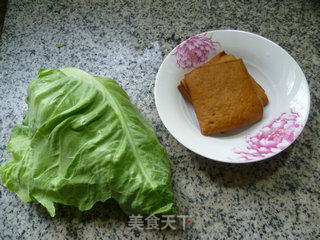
(83, 141)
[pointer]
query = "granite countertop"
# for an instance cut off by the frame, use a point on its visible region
(276, 198)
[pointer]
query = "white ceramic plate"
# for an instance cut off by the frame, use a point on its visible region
(270, 65)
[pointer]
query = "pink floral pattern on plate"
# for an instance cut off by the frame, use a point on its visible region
(271, 138)
(195, 51)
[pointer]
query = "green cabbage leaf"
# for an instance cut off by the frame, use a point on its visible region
(82, 141)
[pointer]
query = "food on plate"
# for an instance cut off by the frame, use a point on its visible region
(83, 141)
(223, 95)
(223, 57)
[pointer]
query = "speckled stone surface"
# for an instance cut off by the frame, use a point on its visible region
(275, 199)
